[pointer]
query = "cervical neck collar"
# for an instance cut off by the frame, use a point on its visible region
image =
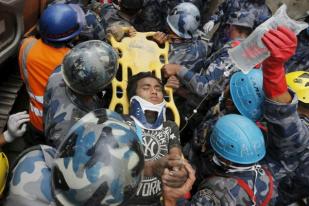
(138, 106)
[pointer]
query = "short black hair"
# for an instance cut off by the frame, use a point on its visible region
(131, 7)
(132, 82)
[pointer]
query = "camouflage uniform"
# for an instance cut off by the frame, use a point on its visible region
(189, 53)
(95, 27)
(208, 81)
(300, 61)
(212, 72)
(63, 108)
(154, 13)
(31, 179)
(100, 163)
(227, 8)
(287, 163)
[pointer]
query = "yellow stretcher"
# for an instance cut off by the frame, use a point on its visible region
(138, 54)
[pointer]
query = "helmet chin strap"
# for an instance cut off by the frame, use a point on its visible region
(138, 107)
(232, 169)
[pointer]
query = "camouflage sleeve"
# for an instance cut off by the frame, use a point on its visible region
(95, 28)
(190, 55)
(174, 139)
(30, 183)
(204, 197)
(47, 95)
(201, 84)
(263, 14)
(219, 13)
(288, 135)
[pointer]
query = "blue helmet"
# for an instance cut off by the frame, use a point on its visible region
(247, 93)
(100, 162)
(58, 23)
(237, 139)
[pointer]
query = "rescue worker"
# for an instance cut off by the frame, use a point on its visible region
(244, 173)
(38, 58)
(214, 66)
(154, 13)
(243, 95)
(226, 9)
(93, 26)
(72, 90)
(160, 138)
(298, 83)
(186, 49)
(210, 81)
(300, 61)
(100, 162)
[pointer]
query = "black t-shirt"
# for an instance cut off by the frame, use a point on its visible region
(156, 144)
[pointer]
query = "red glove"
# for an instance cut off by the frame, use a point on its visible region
(282, 45)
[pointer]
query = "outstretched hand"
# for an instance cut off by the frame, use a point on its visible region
(281, 43)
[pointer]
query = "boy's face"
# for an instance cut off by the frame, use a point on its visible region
(150, 90)
(233, 32)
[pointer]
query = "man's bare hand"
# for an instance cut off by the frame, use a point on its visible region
(170, 70)
(173, 82)
(160, 37)
(174, 178)
(175, 193)
(132, 31)
(169, 162)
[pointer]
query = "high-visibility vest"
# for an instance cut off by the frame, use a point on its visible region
(37, 61)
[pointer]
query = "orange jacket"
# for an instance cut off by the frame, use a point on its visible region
(37, 61)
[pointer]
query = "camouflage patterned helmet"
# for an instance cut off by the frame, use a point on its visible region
(89, 67)
(184, 20)
(242, 18)
(100, 162)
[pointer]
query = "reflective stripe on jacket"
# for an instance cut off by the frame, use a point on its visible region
(37, 61)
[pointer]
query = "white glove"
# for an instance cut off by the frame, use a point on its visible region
(16, 126)
(208, 26)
